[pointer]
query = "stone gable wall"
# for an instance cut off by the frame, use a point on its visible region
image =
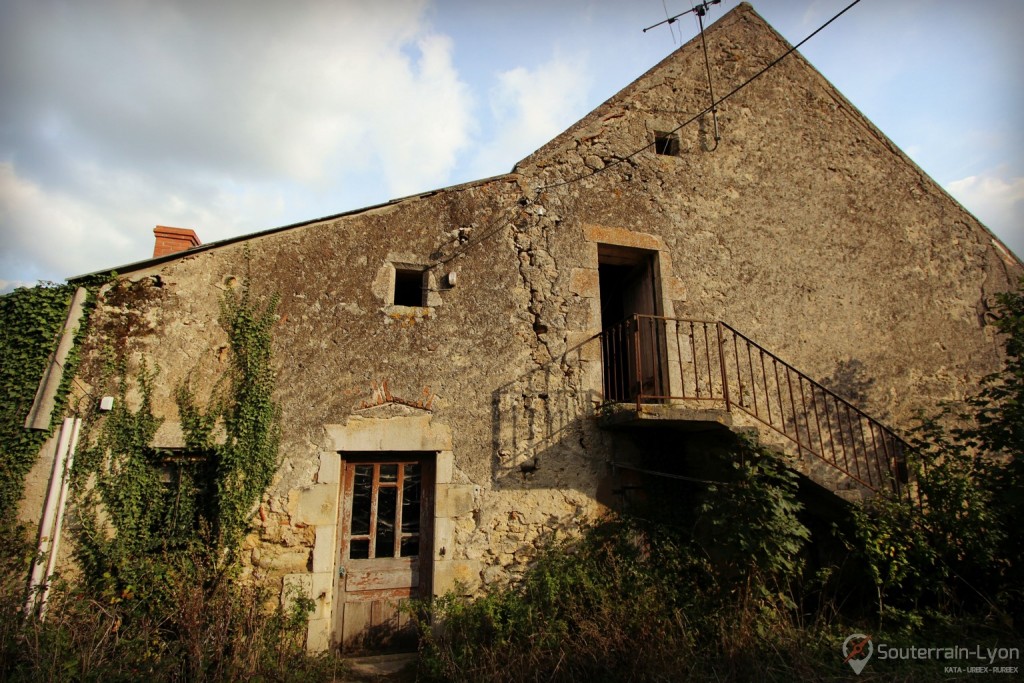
(803, 228)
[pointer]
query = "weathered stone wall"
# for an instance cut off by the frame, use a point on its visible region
(338, 340)
(803, 228)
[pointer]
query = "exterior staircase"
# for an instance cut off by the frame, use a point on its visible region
(696, 374)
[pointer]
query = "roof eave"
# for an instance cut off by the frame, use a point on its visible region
(151, 262)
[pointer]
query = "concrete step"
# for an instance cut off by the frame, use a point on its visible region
(391, 667)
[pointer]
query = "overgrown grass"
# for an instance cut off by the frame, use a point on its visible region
(210, 629)
(723, 589)
(626, 602)
(630, 601)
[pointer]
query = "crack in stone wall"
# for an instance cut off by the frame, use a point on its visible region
(802, 229)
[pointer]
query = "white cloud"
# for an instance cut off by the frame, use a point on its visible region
(422, 119)
(997, 200)
(364, 96)
(223, 117)
(49, 234)
(530, 106)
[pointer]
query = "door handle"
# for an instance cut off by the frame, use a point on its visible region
(341, 571)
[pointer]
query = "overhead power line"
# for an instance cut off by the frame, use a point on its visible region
(700, 9)
(709, 109)
(496, 226)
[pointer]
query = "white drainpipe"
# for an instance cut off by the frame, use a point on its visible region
(53, 516)
(59, 523)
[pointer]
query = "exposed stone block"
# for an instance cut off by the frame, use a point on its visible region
(444, 537)
(585, 344)
(323, 548)
(444, 469)
(584, 281)
(168, 435)
(318, 505)
(330, 468)
(452, 574)
(594, 314)
(494, 574)
(292, 560)
(410, 433)
(674, 288)
(322, 591)
(453, 501)
(623, 237)
(318, 635)
(591, 376)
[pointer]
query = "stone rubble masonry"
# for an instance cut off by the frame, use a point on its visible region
(804, 228)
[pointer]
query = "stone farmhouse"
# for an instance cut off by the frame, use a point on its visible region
(467, 372)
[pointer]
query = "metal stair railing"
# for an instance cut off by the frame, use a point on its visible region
(652, 359)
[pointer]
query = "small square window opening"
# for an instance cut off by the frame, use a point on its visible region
(666, 144)
(409, 287)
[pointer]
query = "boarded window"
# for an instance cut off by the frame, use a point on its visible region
(187, 503)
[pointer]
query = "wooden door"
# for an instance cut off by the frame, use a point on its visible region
(384, 548)
(632, 349)
(638, 298)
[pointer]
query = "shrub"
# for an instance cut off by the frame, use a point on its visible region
(957, 549)
(209, 630)
(634, 599)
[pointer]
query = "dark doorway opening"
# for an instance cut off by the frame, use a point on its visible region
(632, 344)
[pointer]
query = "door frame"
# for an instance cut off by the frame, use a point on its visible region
(640, 273)
(427, 461)
(379, 430)
(670, 293)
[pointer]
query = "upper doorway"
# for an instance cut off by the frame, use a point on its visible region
(633, 341)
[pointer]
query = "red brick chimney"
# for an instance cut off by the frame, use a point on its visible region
(173, 240)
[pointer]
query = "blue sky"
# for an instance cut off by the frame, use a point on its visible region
(235, 116)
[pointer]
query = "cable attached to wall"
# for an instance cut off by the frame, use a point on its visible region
(668, 475)
(741, 86)
(700, 10)
(501, 221)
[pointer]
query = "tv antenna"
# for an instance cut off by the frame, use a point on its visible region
(699, 11)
